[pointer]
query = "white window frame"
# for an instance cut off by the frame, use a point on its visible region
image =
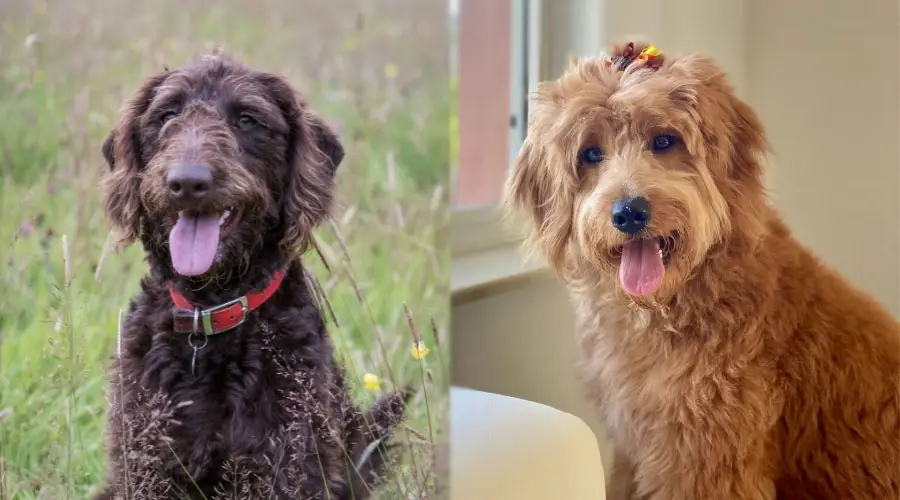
(483, 250)
(524, 70)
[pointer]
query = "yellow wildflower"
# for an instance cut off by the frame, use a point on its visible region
(371, 382)
(349, 43)
(391, 70)
(419, 350)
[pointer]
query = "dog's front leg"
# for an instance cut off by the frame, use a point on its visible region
(733, 475)
(620, 485)
(134, 444)
(744, 482)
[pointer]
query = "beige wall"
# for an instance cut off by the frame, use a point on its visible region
(832, 111)
(824, 77)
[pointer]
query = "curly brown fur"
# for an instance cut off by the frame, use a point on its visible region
(753, 370)
(267, 413)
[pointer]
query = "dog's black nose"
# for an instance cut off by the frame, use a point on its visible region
(190, 180)
(631, 215)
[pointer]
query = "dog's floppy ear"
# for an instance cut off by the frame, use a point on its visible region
(314, 154)
(108, 150)
(122, 151)
(327, 141)
(538, 185)
(734, 135)
(317, 154)
(748, 139)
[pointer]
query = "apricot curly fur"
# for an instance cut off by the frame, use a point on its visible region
(755, 371)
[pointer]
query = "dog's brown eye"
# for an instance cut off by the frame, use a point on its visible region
(662, 143)
(245, 121)
(591, 157)
(168, 115)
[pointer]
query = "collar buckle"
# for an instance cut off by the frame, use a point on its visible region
(206, 315)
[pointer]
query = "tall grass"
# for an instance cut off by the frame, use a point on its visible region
(377, 70)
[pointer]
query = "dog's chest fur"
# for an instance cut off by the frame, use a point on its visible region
(620, 372)
(255, 395)
(666, 397)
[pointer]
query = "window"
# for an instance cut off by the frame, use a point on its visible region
(503, 49)
(496, 66)
(496, 63)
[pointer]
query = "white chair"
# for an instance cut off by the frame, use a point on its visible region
(504, 448)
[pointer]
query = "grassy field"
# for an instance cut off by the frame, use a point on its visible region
(377, 70)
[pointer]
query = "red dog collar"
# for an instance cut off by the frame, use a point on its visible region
(223, 317)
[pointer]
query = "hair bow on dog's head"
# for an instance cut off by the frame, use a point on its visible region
(650, 56)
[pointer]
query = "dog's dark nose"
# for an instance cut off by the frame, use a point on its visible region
(631, 215)
(190, 180)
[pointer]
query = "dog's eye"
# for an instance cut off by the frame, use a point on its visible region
(167, 116)
(662, 143)
(591, 156)
(245, 121)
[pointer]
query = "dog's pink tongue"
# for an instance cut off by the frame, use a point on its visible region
(641, 270)
(193, 243)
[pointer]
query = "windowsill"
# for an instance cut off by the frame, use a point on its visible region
(486, 257)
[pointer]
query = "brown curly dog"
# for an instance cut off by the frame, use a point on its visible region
(227, 385)
(729, 362)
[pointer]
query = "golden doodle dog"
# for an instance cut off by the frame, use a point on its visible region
(729, 362)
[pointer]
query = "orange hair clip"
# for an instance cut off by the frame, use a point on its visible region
(647, 57)
(649, 53)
